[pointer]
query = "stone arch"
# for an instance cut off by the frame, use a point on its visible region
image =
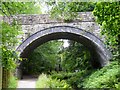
(100, 54)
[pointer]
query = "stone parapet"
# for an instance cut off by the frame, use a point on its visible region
(45, 18)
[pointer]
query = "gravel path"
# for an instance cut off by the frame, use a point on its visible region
(27, 82)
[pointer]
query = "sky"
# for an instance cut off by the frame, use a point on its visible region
(66, 44)
(43, 7)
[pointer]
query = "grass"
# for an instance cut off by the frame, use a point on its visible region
(42, 81)
(12, 82)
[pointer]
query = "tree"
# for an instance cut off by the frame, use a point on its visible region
(9, 41)
(75, 57)
(107, 15)
(69, 10)
(9, 34)
(14, 8)
(44, 58)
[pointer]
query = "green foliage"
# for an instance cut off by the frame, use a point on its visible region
(62, 75)
(45, 81)
(56, 83)
(9, 34)
(42, 81)
(50, 56)
(107, 15)
(43, 59)
(9, 41)
(68, 10)
(72, 78)
(13, 8)
(8, 58)
(9, 37)
(75, 58)
(12, 82)
(107, 77)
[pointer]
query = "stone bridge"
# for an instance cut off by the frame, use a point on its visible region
(39, 29)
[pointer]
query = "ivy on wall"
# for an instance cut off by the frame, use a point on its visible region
(108, 16)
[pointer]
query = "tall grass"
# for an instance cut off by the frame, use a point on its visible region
(12, 82)
(42, 81)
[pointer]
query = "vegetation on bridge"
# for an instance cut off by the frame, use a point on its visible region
(69, 10)
(74, 69)
(108, 16)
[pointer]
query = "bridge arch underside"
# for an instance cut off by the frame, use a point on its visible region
(100, 55)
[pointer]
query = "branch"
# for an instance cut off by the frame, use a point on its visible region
(4, 12)
(7, 8)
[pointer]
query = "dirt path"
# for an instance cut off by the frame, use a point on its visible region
(27, 82)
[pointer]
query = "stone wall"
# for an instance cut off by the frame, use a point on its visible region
(33, 23)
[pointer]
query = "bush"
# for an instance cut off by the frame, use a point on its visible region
(42, 81)
(72, 79)
(61, 75)
(45, 81)
(107, 77)
(12, 82)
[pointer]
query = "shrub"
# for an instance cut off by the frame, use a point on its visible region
(42, 81)
(12, 82)
(45, 81)
(107, 77)
(62, 75)
(56, 83)
(72, 78)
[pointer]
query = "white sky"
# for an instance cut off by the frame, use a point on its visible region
(44, 8)
(66, 44)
